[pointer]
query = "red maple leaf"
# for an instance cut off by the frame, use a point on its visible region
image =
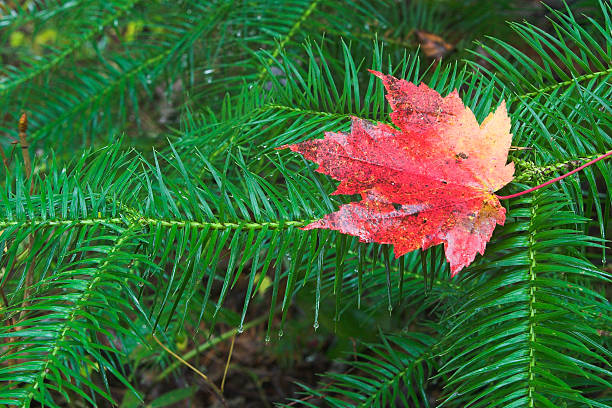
(429, 182)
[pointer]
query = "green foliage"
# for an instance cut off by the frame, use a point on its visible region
(114, 238)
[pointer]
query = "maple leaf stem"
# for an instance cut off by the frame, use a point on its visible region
(556, 178)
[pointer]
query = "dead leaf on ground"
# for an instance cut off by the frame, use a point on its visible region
(433, 45)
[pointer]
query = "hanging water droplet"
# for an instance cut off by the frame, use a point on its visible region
(315, 325)
(280, 333)
(267, 339)
(240, 329)
(148, 78)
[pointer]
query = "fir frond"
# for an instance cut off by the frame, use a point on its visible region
(393, 372)
(510, 343)
(14, 77)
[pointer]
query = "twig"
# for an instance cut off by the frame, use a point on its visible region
(25, 152)
(209, 344)
(212, 385)
(229, 357)
(4, 158)
(23, 142)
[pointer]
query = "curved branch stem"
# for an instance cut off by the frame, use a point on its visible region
(556, 178)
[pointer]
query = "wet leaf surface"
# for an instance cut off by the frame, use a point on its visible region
(429, 181)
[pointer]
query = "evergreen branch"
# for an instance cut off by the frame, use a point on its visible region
(58, 344)
(525, 353)
(270, 107)
(532, 172)
(532, 312)
(394, 370)
(302, 111)
(294, 29)
(568, 54)
(95, 97)
(58, 59)
(390, 382)
(154, 221)
(576, 170)
(590, 75)
(17, 16)
(104, 83)
(224, 225)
